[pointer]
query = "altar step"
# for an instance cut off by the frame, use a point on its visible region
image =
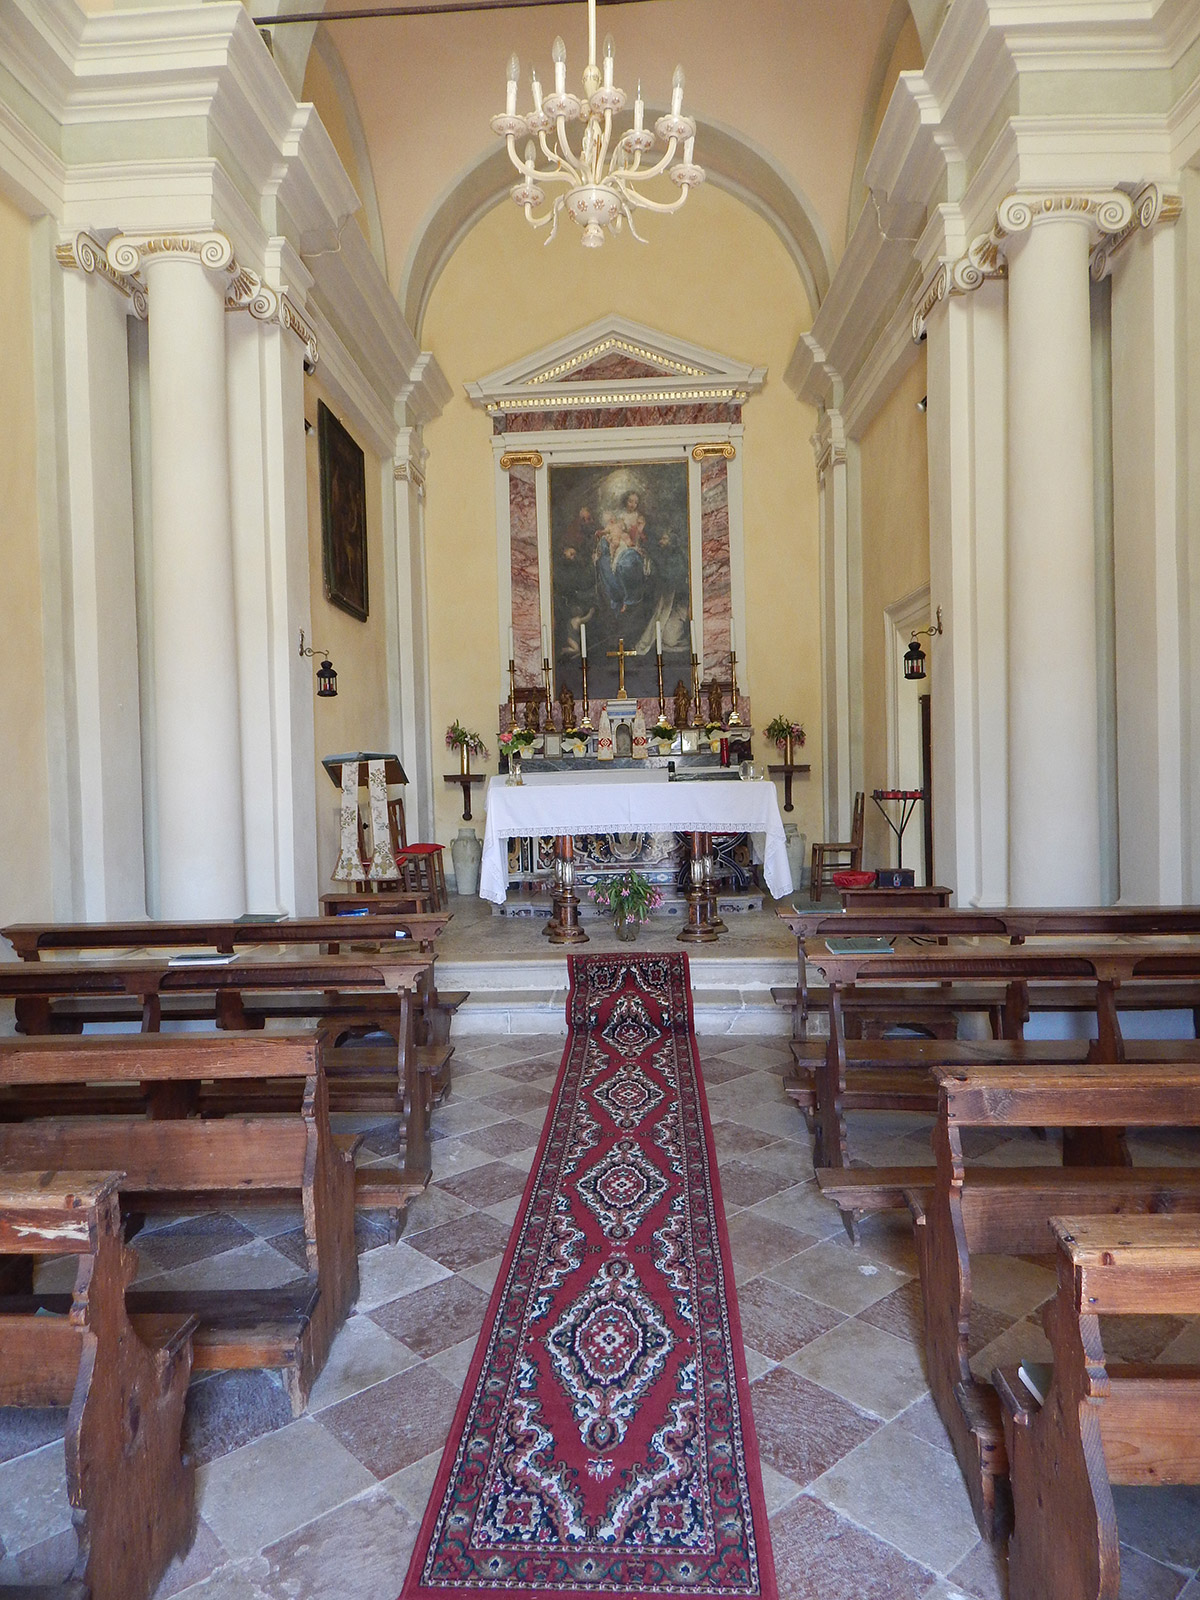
(730, 995)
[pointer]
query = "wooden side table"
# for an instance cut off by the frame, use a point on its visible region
(466, 779)
(787, 780)
(925, 897)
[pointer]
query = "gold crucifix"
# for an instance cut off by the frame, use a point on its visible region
(620, 652)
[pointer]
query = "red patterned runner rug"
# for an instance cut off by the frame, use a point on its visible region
(604, 1443)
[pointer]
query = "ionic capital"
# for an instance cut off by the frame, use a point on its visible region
(1104, 210)
(829, 443)
(85, 254)
(1151, 206)
(129, 252)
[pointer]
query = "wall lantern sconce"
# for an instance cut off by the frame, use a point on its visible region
(914, 656)
(326, 676)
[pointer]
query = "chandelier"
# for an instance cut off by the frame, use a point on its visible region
(602, 181)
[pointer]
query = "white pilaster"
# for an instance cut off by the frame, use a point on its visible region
(1150, 568)
(829, 445)
(1054, 768)
(414, 714)
(105, 742)
(201, 868)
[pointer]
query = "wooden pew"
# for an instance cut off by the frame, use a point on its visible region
(132, 1494)
(1015, 923)
(1104, 969)
(172, 1159)
(352, 993)
(1100, 1423)
(960, 1211)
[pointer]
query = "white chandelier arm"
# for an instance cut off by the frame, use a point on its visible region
(645, 175)
(635, 199)
(605, 141)
(633, 231)
(565, 154)
(533, 173)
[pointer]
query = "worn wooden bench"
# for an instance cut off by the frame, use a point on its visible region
(351, 994)
(174, 1158)
(132, 1494)
(960, 1211)
(1098, 1422)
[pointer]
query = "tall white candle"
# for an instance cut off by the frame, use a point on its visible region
(677, 92)
(608, 62)
(583, 640)
(545, 644)
(692, 631)
(658, 635)
(732, 640)
(514, 74)
(512, 654)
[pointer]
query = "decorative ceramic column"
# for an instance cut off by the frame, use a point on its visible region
(1054, 773)
(197, 756)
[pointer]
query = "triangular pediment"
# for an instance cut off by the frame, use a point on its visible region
(617, 363)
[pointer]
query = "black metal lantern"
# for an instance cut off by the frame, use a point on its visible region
(914, 661)
(327, 681)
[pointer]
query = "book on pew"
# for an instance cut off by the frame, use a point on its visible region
(204, 960)
(1036, 1376)
(863, 944)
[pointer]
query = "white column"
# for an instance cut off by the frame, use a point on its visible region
(1054, 771)
(412, 715)
(201, 868)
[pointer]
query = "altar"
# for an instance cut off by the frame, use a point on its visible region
(562, 805)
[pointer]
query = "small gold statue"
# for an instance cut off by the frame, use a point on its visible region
(566, 701)
(716, 706)
(682, 701)
(533, 710)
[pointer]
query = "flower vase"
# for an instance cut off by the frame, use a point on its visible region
(787, 750)
(464, 760)
(625, 928)
(514, 767)
(466, 852)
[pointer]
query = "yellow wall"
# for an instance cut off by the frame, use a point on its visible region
(357, 718)
(714, 274)
(24, 794)
(906, 57)
(895, 561)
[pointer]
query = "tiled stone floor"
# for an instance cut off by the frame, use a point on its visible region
(865, 1496)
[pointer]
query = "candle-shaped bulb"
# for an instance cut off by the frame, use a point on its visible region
(609, 53)
(537, 91)
(677, 92)
(514, 73)
(559, 52)
(688, 148)
(639, 110)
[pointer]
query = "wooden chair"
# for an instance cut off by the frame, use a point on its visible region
(421, 872)
(843, 856)
(132, 1494)
(1096, 1422)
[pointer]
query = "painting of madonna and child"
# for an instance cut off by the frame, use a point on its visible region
(619, 566)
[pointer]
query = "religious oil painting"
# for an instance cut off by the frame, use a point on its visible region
(619, 570)
(343, 515)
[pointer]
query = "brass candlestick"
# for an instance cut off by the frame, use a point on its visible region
(698, 711)
(546, 687)
(512, 690)
(662, 699)
(733, 720)
(586, 721)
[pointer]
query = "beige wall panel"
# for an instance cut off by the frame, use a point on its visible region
(895, 561)
(24, 802)
(357, 718)
(716, 275)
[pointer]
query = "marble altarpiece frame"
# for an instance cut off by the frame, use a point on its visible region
(623, 405)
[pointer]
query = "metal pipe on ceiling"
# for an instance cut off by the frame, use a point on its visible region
(366, 14)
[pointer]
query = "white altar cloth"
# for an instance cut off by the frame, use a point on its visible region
(553, 803)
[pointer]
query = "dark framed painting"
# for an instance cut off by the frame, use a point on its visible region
(620, 567)
(343, 515)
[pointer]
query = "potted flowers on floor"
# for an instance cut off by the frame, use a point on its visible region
(629, 898)
(787, 735)
(467, 744)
